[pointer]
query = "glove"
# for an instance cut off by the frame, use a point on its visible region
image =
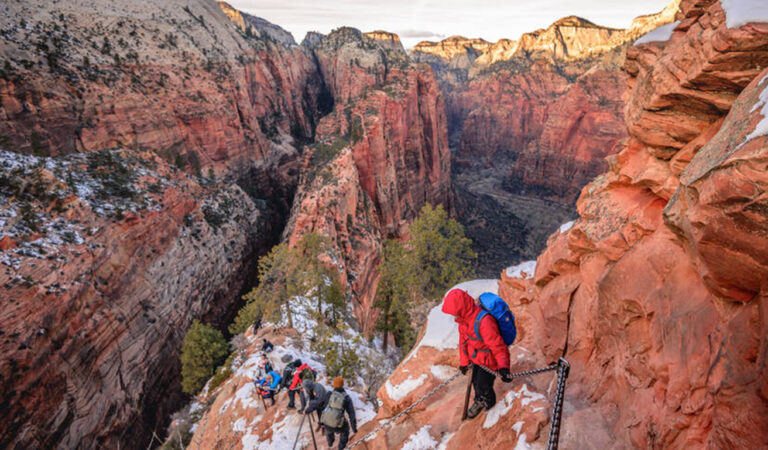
(505, 375)
(463, 369)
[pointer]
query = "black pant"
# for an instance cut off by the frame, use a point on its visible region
(292, 398)
(330, 435)
(482, 381)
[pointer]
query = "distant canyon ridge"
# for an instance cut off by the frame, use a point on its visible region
(152, 151)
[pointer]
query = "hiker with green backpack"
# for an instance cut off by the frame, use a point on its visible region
(333, 420)
(302, 372)
(486, 328)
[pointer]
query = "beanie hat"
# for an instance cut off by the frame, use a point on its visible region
(338, 382)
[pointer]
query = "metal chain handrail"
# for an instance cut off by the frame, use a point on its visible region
(562, 367)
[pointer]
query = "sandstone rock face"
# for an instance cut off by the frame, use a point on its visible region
(105, 263)
(381, 155)
(657, 293)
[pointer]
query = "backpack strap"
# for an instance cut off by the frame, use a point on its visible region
(478, 336)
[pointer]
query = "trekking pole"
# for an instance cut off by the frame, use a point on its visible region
(263, 401)
(298, 433)
(312, 431)
(466, 396)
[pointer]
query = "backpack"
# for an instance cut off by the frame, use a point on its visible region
(333, 414)
(285, 381)
(498, 309)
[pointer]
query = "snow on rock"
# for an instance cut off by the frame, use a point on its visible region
(442, 372)
(445, 440)
(500, 409)
(524, 270)
(661, 34)
(400, 391)
(566, 226)
(741, 12)
(420, 440)
(522, 444)
(761, 129)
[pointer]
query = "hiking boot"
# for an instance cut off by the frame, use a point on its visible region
(477, 407)
(291, 407)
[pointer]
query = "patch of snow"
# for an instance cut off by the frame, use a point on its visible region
(445, 440)
(761, 129)
(660, 34)
(420, 440)
(521, 444)
(524, 270)
(500, 409)
(239, 425)
(566, 226)
(741, 12)
(518, 427)
(442, 372)
(528, 396)
(401, 390)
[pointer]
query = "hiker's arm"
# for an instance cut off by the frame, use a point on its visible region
(490, 331)
(350, 407)
(463, 358)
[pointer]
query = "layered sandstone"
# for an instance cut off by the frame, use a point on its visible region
(210, 120)
(380, 156)
(657, 293)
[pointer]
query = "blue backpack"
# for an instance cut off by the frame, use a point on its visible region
(495, 306)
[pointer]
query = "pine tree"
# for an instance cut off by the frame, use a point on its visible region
(394, 295)
(442, 253)
(202, 350)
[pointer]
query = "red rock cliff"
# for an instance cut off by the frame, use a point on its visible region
(657, 295)
(381, 155)
(108, 257)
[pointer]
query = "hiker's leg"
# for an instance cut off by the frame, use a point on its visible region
(344, 436)
(484, 387)
(330, 436)
(291, 399)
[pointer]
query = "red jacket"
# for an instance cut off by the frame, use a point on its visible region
(297, 375)
(491, 351)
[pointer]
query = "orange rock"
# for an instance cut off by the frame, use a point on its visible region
(7, 243)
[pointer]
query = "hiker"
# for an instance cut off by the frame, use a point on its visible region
(488, 348)
(302, 372)
(287, 376)
(267, 346)
(265, 364)
(333, 418)
(317, 396)
(267, 386)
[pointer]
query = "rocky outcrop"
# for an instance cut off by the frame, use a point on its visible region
(657, 293)
(108, 255)
(252, 25)
(381, 155)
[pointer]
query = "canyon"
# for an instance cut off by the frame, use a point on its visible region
(156, 151)
(152, 151)
(530, 122)
(656, 294)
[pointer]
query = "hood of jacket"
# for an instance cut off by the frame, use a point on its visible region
(460, 305)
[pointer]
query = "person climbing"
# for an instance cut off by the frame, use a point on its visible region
(317, 396)
(480, 342)
(287, 376)
(267, 386)
(333, 416)
(265, 364)
(267, 346)
(302, 372)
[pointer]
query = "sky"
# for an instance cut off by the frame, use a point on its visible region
(418, 20)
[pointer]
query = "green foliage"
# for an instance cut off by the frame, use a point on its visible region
(437, 256)
(223, 372)
(443, 254)
(341, 358)
(394, 295)
(114, 173)
(286, 272)
(203, 349)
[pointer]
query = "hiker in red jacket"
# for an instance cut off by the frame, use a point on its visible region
(489, 350)
(296, 386)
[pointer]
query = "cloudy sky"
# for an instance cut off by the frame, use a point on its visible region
(417, 20)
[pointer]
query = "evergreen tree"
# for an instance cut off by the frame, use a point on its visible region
(394, 294)
(442, 253)
(202, 350)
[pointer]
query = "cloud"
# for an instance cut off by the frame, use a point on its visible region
(420, 34)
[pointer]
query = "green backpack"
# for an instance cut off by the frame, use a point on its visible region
(307, 374)
(333, 415)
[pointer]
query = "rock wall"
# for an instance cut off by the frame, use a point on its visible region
(381, 155)
(94, 313)
(657, 293)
